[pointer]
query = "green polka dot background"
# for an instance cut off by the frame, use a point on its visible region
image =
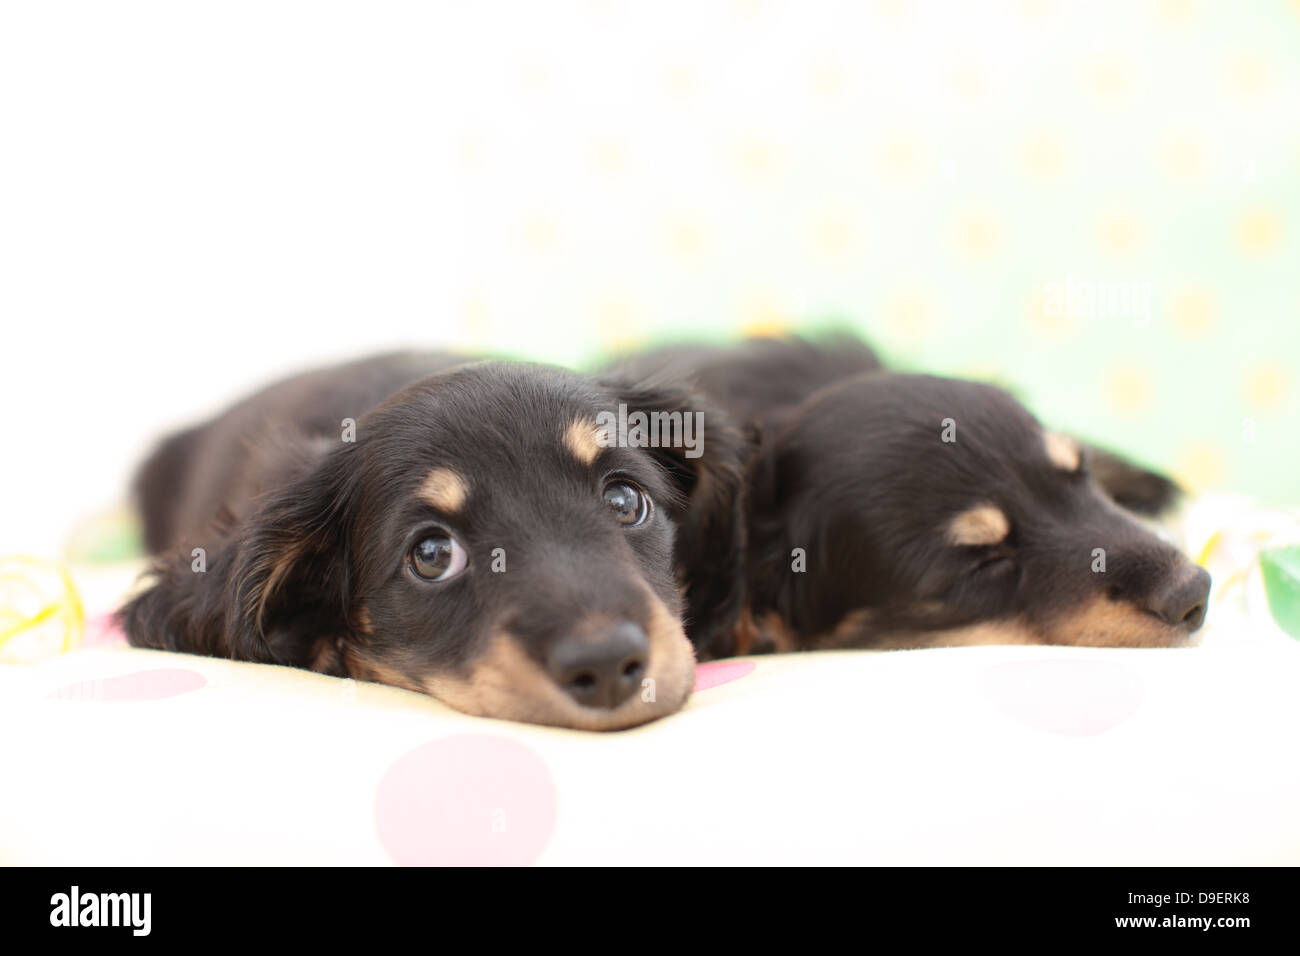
(1094, 205)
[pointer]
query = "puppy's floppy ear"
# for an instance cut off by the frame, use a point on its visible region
(778, 522)
(273, 590)
(1131, 486)
(710, 547)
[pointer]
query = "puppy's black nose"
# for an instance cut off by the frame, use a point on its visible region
(1183, 603)
(601, 669)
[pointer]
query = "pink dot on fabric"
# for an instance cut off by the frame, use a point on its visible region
(721, 672)
(466, 800)
(1076, 698)
(154, 684)
(104, 630)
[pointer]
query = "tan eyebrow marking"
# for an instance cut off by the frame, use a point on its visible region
(981, 525)
(583, 439)
(444, 489)
(1062, 451)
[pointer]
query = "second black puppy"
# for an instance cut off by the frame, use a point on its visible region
(893, 510)
(937, 512)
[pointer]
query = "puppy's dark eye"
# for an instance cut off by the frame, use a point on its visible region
(629, 503)
(438, 557)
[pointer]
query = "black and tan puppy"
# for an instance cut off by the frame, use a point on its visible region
(892, 510)
(938, 512)
(457, 529)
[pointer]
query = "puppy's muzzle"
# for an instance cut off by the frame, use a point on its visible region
(598, 672)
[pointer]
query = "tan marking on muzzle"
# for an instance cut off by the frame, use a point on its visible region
(981, 525)
(1105, 623)
(1062, 451)
(506, 682)
(1098, 623)
(445, 490)
(583, 439)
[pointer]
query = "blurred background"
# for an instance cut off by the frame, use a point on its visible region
(1096, 204)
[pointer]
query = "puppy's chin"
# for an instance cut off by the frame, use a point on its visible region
(1105, 623)
(1098, 623)
(507, 683)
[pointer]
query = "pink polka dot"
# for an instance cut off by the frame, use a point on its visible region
(466, 800)
(104, 631)
(721, 672)
(139, 685)
(1076, 698)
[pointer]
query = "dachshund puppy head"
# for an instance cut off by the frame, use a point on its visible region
(483, 540)
(936, 512)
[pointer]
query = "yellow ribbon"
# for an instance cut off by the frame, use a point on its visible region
(22, 576)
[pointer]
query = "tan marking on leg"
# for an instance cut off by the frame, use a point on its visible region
(744, 634)
(583, 440)
(850, 632)
(981, 525)
(774, 637)
(363, 625)
(1062, 451)
(767, 634)
(324, 655)
(444, 489)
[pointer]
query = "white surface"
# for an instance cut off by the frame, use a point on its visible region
(978, 755)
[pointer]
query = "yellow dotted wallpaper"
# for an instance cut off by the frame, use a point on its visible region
(1095, 204)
